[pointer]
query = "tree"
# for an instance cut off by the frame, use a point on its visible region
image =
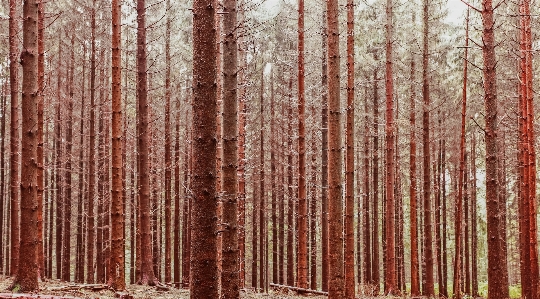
(335, 206)
(230, 282)
(27, 273)
(324, 157)
(147, 269)
(390, 285)
(116, 279)
(497, 271)
(459, 204)
(168, 146)
(349, 159)
(14, 138)
(302, 252)
(204, 262)
(428, 239)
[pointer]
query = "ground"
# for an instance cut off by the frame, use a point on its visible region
(137, 291)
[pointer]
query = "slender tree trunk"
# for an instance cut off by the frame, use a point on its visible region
(58, 184)
(474, 215)
(242, 162)
(497, 284)
(41, 84)
(375, 272)
(349, 160)
(177, 250)
(313, 208)
(204, 282)
(186, 231)
(415, 265)
(79, 269)
(390, 249)
(262, 194)
(444, 289)
(116, 279)
(466, 252)
(290, 194)
(459, 204)
(438, 206)
(91, 154)
(324, 159)
(2, 178)
(230, 284)
(14, 138)
(27, 274)
(168, 146)
(66, 245)
(367, 222)
(335, 207)
(428, 239)
(273, 182)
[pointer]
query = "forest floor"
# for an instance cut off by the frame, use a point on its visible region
(50, 288)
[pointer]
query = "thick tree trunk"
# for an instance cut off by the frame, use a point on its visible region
(147, 269)
(14, 139)
(204, 280)
(27, 274)
(230, 284)
(390, 285)
(428, 239)
(116, 279)
(497, 284)
(335, 207)
(349, 160)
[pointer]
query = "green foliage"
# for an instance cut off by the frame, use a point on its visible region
(16, 288)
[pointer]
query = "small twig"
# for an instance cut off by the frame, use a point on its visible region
(478, 10)
(478, 125)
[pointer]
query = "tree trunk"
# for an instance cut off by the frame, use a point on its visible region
(375, 272)
(313, 208)
(66, 245)
(474, 215)
(390, 249)
(349, 160)
(147, 269)
(14, 138)
(290, 194)
(2, 177)
(273, 179)
(204, 280)
(324, 159)
(367, 278)
(168, 146)
(91, 155)
(302, 254)
(27, 274)
(459, 204)
(415, 265)
(41, 84)
(262, 194)
(497, 284)
(335, 207)
(79, 269)
(428, 239)
(230, 284)
(177, 250)
(116, 279)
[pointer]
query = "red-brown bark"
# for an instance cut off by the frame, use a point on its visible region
(375, 272)
(230, 284)
(204, 280)
(349, 160)
(366, 278)
(273, 179)
(390, 281)
(242, 162)
(27, 273)
(91, 154)
(335, 206)
(497, 284)
(324, 159)
(14, 139)
(147, 271)
(459, 204)
(428, 239)
(41, 84)
(415, 265)
(168, 147)
(116, 279)
(302, 253)
(290, 194)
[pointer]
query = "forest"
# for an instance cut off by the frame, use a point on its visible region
(268, 148)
